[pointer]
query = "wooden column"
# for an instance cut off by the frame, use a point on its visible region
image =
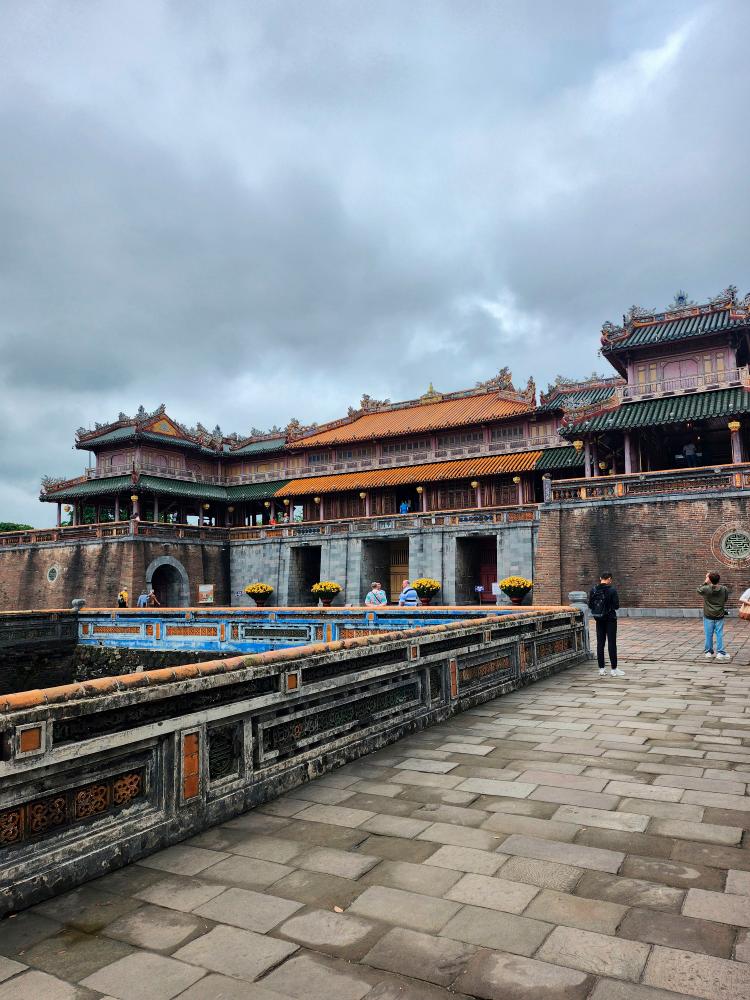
(59, 513)
(156, 509)
(628, 454)
(736, 442)
(587, 458)
(117, 508)
(595, 458)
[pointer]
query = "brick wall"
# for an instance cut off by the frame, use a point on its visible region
(658, 551)
(96, 570)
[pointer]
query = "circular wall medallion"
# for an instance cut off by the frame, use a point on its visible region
(730, 544)
(53, 573)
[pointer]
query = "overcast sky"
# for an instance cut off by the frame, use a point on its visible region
(253, 211)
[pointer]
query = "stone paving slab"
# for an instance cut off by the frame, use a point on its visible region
(584, 838)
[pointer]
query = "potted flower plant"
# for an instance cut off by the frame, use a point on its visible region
(326, 590)
(260, 593)
(516, 587)
(426, 588)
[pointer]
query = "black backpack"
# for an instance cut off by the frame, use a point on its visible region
(598, 602)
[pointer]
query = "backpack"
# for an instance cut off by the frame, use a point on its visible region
(598, 602)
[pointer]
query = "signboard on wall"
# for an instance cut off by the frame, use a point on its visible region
(205, 593)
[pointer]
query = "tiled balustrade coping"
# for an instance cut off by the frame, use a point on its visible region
(151, 529)
(245, 629)
(97, 774)
(693, 480)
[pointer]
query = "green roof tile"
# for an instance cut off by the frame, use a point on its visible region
(92, 487)
(260, 447)
(583, 397)
(681, 328)
(669, 410)
(559, 458)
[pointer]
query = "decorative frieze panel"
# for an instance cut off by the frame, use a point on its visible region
(224, 751)
(273, 633)
(554, 647)
(54, 813)
(316, 725)
(84, 727)
(116, 630)
(208, 631)
(478, 671)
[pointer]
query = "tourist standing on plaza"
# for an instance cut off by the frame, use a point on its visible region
(122, 598)
(408, 597)
(715, 597)
(153, 600)
(142, 600)
(603, 603)
(376, 595)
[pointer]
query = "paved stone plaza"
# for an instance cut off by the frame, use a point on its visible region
(582, 838)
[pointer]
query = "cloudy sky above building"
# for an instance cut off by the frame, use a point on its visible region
(257, 211)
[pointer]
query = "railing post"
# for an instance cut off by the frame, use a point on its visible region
(579, 599)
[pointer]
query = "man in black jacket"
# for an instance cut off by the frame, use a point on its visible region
(603, 603)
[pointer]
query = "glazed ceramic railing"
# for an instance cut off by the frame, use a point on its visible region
(692, 480)
(111, 529)
(388, 522)
(96, 774)
(689, 383)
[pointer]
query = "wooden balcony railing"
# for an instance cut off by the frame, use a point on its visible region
(388, 522)
(112, 529)
(689, 383)
(643, 484)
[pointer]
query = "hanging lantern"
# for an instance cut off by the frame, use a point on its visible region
(231, 510)
(362, 495)
(206, 506)
(420, 490)
(516, 480)
(578, 445)
(67, 508)
(266, 503)
(474, 484)
(316, 499)
(734, 426)
(134, 498)
(602, 466)
(286, 501)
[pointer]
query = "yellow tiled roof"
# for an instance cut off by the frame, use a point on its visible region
(421, 417)
(468, 468)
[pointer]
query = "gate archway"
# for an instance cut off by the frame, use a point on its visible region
(170, 581)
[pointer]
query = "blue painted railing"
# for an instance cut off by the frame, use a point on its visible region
(256, 630)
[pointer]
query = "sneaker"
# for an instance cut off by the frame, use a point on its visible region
(709, 656)
(602, 672)
(723, 656)
(617, 673)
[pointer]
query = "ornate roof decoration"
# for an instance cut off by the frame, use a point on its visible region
(369, 403)
(571, 393)
(681, 308)
(52, 483)
(431, 396)
(503, 380)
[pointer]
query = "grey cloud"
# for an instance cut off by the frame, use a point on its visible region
(249, 212)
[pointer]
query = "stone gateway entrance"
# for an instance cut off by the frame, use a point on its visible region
(170, 581)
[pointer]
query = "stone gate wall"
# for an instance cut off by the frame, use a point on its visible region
(658, 549)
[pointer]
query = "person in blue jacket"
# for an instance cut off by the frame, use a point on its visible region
(408, 597)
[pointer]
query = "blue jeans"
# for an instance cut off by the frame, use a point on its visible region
(713, 626)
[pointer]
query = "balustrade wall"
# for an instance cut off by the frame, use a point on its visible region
(98, 774)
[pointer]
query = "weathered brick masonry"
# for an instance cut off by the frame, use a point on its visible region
(658, 549)
(95, 570)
